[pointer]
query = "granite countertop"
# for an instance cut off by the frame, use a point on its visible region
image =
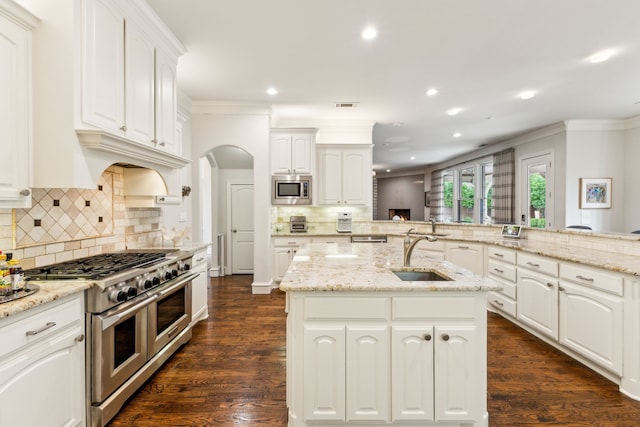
(364, 267)
(49, 291)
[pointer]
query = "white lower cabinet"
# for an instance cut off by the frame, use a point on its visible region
(466, 255)
(538, 302)
(283, 250)
(387, 360)
(199, 288)
(43, 359)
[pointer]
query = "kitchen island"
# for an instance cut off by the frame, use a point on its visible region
(367, 348)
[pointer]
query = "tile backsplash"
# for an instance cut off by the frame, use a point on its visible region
(65, 224)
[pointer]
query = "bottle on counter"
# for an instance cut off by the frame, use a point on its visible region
(17, 274)
(6, 287)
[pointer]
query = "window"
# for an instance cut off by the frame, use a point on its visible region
(467, 193)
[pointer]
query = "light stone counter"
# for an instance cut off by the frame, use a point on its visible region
(49, 291)
(368, 267)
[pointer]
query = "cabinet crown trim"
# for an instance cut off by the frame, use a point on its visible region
(104, 141)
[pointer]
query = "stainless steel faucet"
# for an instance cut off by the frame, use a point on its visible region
(410, 244)
(432, 220)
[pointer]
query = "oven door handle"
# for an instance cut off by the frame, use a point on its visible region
(178, 284)
(110, 320)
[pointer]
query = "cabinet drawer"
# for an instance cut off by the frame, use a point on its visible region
(445, 307)
(508, 288)
(592, 277)
(319, 308)
(536, 263)
(505, 255)
(502, 303)
(41, 323)
(199, 262)
(290, 241)
(502, 270)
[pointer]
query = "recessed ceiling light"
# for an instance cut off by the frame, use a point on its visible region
(272, 91)
(527, 94)
(388, 170)
(457, 135)
(454, 111)
(601, 56)
(431, 92)
(369, 33)
(412, 158)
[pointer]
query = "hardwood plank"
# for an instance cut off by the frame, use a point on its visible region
(232, 373)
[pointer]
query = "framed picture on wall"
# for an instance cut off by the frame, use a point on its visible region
(595, 193)
(427, 199)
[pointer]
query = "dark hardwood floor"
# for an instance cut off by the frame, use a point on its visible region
(232, 373)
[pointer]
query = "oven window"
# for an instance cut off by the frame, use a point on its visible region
(125, 341)
(170, 309)
(289, 189)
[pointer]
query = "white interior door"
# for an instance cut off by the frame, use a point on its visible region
(241, 228)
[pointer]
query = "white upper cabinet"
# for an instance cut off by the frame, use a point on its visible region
(166, 130)
(344, 175)
(103, 66)
(292, 151)
(15, 105)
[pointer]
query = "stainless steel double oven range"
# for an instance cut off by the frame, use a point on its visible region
(138, 313)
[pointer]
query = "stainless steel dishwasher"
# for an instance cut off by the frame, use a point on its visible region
(374, 238)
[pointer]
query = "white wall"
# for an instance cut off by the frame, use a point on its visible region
(631, 196)
(596, 154)
(213, 125)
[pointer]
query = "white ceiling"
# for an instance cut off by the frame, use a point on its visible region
(479, 54)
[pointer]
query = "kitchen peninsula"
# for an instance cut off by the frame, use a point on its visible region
(365, 346)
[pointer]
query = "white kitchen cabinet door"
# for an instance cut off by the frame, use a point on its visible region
(538, 302)
(103, 86)
(591, 324)
(166, 104)
(199, 288)
(15, 114)
(140, 85)
(458, 373)
(282, 257)
(412, 381)
(324, 388)
(466, 255)
(368, 381)
(329, 177)
(301, 154)
(356, 176)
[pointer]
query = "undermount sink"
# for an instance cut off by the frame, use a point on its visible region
(420, 276)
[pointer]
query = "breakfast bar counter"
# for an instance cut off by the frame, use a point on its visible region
(365, 347)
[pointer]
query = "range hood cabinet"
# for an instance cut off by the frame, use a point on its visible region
(145, 188)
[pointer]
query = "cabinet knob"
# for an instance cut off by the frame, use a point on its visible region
(445, 337)
(162, 144)
(549, 285)
(25, 192)
(561, 289)
(427, 337)
(123, 128)
(79, 338)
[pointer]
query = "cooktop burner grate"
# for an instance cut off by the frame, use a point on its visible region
(94, 267)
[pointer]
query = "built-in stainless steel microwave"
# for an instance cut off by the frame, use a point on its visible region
(291, 190)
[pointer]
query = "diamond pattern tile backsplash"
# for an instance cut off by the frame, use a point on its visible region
(63, 214)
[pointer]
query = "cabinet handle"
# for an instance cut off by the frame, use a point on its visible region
(498, 303)
(498, 270)
(123, 128)
(25, 192)
(586, 279)
(49, 325)
(79, 338)
(550, 285)
(200, 259)
(445, 337)
(463, 247)
(533, 264)
(427, 337)
(498, 255)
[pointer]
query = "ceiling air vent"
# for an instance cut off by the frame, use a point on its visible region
(346, 104)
